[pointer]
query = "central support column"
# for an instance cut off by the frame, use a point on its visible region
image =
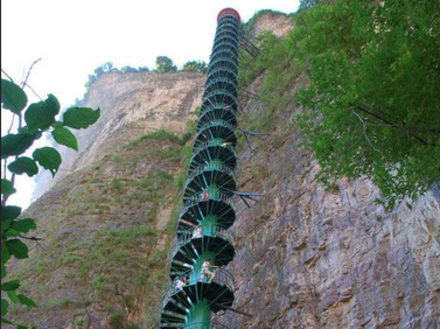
(199, 316)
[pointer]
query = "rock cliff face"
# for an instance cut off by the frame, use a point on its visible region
(305, 257)
(145, 101)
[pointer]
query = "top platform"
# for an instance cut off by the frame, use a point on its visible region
(228, 11)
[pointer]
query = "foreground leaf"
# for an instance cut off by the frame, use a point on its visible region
(41, 115)
(13, 97)
(4, 258)
(80, 117)
(10, 285)
(24, 225)
(17, 248)
(23, 165)
(5, 305)
(16, 144)
(48, 158)
(65, 137)
(26, 300)
(7, 188)
(6, 321)
(13, 296)
(10, 212)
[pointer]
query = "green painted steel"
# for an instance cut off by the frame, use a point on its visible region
(200, 313)
(204, 244)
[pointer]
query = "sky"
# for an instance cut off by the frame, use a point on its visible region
(73, 38)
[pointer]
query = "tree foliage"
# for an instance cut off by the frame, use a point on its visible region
(373, 100)
(164, 64)
(372, 105)
(40, 118)
(194, 66)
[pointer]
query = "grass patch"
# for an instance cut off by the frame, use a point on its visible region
(161, 135)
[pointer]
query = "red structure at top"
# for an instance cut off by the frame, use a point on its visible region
(228, 11)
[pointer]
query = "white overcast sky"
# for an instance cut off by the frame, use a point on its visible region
(72, 38)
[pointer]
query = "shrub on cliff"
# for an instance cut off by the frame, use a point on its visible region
(372, 104)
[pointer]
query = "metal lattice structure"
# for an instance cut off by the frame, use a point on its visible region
(208, 211)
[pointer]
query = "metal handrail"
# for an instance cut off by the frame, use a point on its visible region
(197, 325)
(210, 167)
(218, 62)
(229, 202)
(207, 144)
(218, 196)
(222, 277)
(231, 115)
(217, 72)
(227, 25)
(220, 79)
(225, 45)
(213, 123)
(207, 98)
(224, 53)
(186, 237)
(221, 83)
(225, 32)
(228, 18)
(200, 325)
(225, 42)
(223, 38)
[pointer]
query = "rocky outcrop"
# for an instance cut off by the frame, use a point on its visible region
(148, 101)
(308, 258)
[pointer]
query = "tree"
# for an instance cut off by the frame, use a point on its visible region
(195, 66)
(39, 118)
(372, 106)
(164, 65)
(106, 67)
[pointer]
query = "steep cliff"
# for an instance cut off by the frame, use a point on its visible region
(305, 257)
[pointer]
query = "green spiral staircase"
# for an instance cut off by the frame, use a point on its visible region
(207, 196)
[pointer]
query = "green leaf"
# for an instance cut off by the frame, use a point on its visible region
(7, 188)
(23, 165)
(24, 225)
(6, 321)
(13, 97)
(16, 144)
(11, 233)
(12, 294)
(5, 305)
(17, 248)
(10, 285)
(19, 326)
(80, 117)
(48, 158)
(10, 212)
(64, 136)
(4, 258)
(42, 114)
(5, 225)
(4, 254)
(26, 300)
(57, 124)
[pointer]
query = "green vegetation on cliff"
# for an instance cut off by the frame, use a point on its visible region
(370, 105)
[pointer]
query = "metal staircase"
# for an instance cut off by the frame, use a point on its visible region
(197, 287)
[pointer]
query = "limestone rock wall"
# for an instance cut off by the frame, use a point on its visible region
(148, 100)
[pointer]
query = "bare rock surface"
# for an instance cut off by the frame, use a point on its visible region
(149, 100)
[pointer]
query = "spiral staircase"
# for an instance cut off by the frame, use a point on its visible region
(203, 228)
